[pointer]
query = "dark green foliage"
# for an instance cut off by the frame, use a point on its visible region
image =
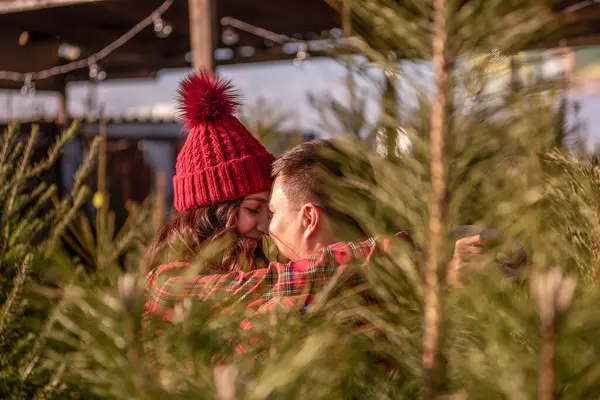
(500, 333)
(31, 224)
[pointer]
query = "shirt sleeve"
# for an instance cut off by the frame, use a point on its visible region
(291, 283)
(169, 284)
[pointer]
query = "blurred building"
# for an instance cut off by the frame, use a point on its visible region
(140, 147)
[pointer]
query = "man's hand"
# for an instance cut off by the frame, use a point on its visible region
(467, 252)
(226, 381)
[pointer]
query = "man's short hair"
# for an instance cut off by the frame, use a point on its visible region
(298, 169)
(308, 173)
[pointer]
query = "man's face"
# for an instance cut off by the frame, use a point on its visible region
(286, 226)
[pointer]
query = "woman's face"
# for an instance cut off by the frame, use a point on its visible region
(253, 216)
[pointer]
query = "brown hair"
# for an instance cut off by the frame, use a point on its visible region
(303, 172)
(298, 170)
(189, 230)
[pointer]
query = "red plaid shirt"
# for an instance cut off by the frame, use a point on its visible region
(293, 283)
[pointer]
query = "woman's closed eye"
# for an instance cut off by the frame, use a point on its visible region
(252, 211)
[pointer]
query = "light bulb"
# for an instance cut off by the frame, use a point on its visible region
(28, 87)
(93, 71)
(229, 36)
(162, 28)
(96, 73)
(302, 56)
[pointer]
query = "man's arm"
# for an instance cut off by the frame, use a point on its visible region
(168, 285)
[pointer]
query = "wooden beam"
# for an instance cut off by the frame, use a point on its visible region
(202, 29)
(7, 7)
(134, 130)
(176, 15)
(283, 17)
(91, 39)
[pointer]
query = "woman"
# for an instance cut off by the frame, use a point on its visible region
(221, 183)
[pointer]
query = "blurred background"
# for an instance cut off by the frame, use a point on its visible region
(274, 52)
(85, 181)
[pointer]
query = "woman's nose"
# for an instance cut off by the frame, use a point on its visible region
(263, 222)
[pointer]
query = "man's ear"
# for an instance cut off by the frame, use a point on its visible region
(310, 216)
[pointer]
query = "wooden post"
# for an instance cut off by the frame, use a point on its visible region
(72, 155)
(438, 206)
(390, 109)
(202, 33)
(160, 199)
(102, 212)
(62, 116)
(102, 158)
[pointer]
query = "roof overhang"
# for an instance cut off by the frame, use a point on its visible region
(13, 6)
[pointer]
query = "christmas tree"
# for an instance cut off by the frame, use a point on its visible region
(33, 221)
(483, 153)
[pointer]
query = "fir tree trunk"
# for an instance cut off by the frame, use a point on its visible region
(547, 356)
(437, 205)
(595, 245)
(390, 107)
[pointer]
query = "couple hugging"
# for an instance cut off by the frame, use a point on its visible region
(227, 183)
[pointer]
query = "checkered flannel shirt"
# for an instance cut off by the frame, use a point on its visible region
(293, 283)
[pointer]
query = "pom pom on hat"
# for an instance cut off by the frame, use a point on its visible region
(204, 97)
(220, 159)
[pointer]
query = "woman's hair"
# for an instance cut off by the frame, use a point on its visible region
(184, 235)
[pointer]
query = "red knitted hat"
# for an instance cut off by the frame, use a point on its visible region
(220, 159)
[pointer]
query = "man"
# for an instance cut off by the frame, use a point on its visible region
(303, 221)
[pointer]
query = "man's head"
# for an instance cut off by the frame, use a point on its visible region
(303, 220)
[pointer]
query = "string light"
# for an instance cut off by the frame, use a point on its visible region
(162, 28)
(302, 56)
(28, 78)
(229, 36)
(270, 38)
(69, 52)
(336, 33)
(28, 87)
(23, 38)
(96, 73)
(256, 31)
